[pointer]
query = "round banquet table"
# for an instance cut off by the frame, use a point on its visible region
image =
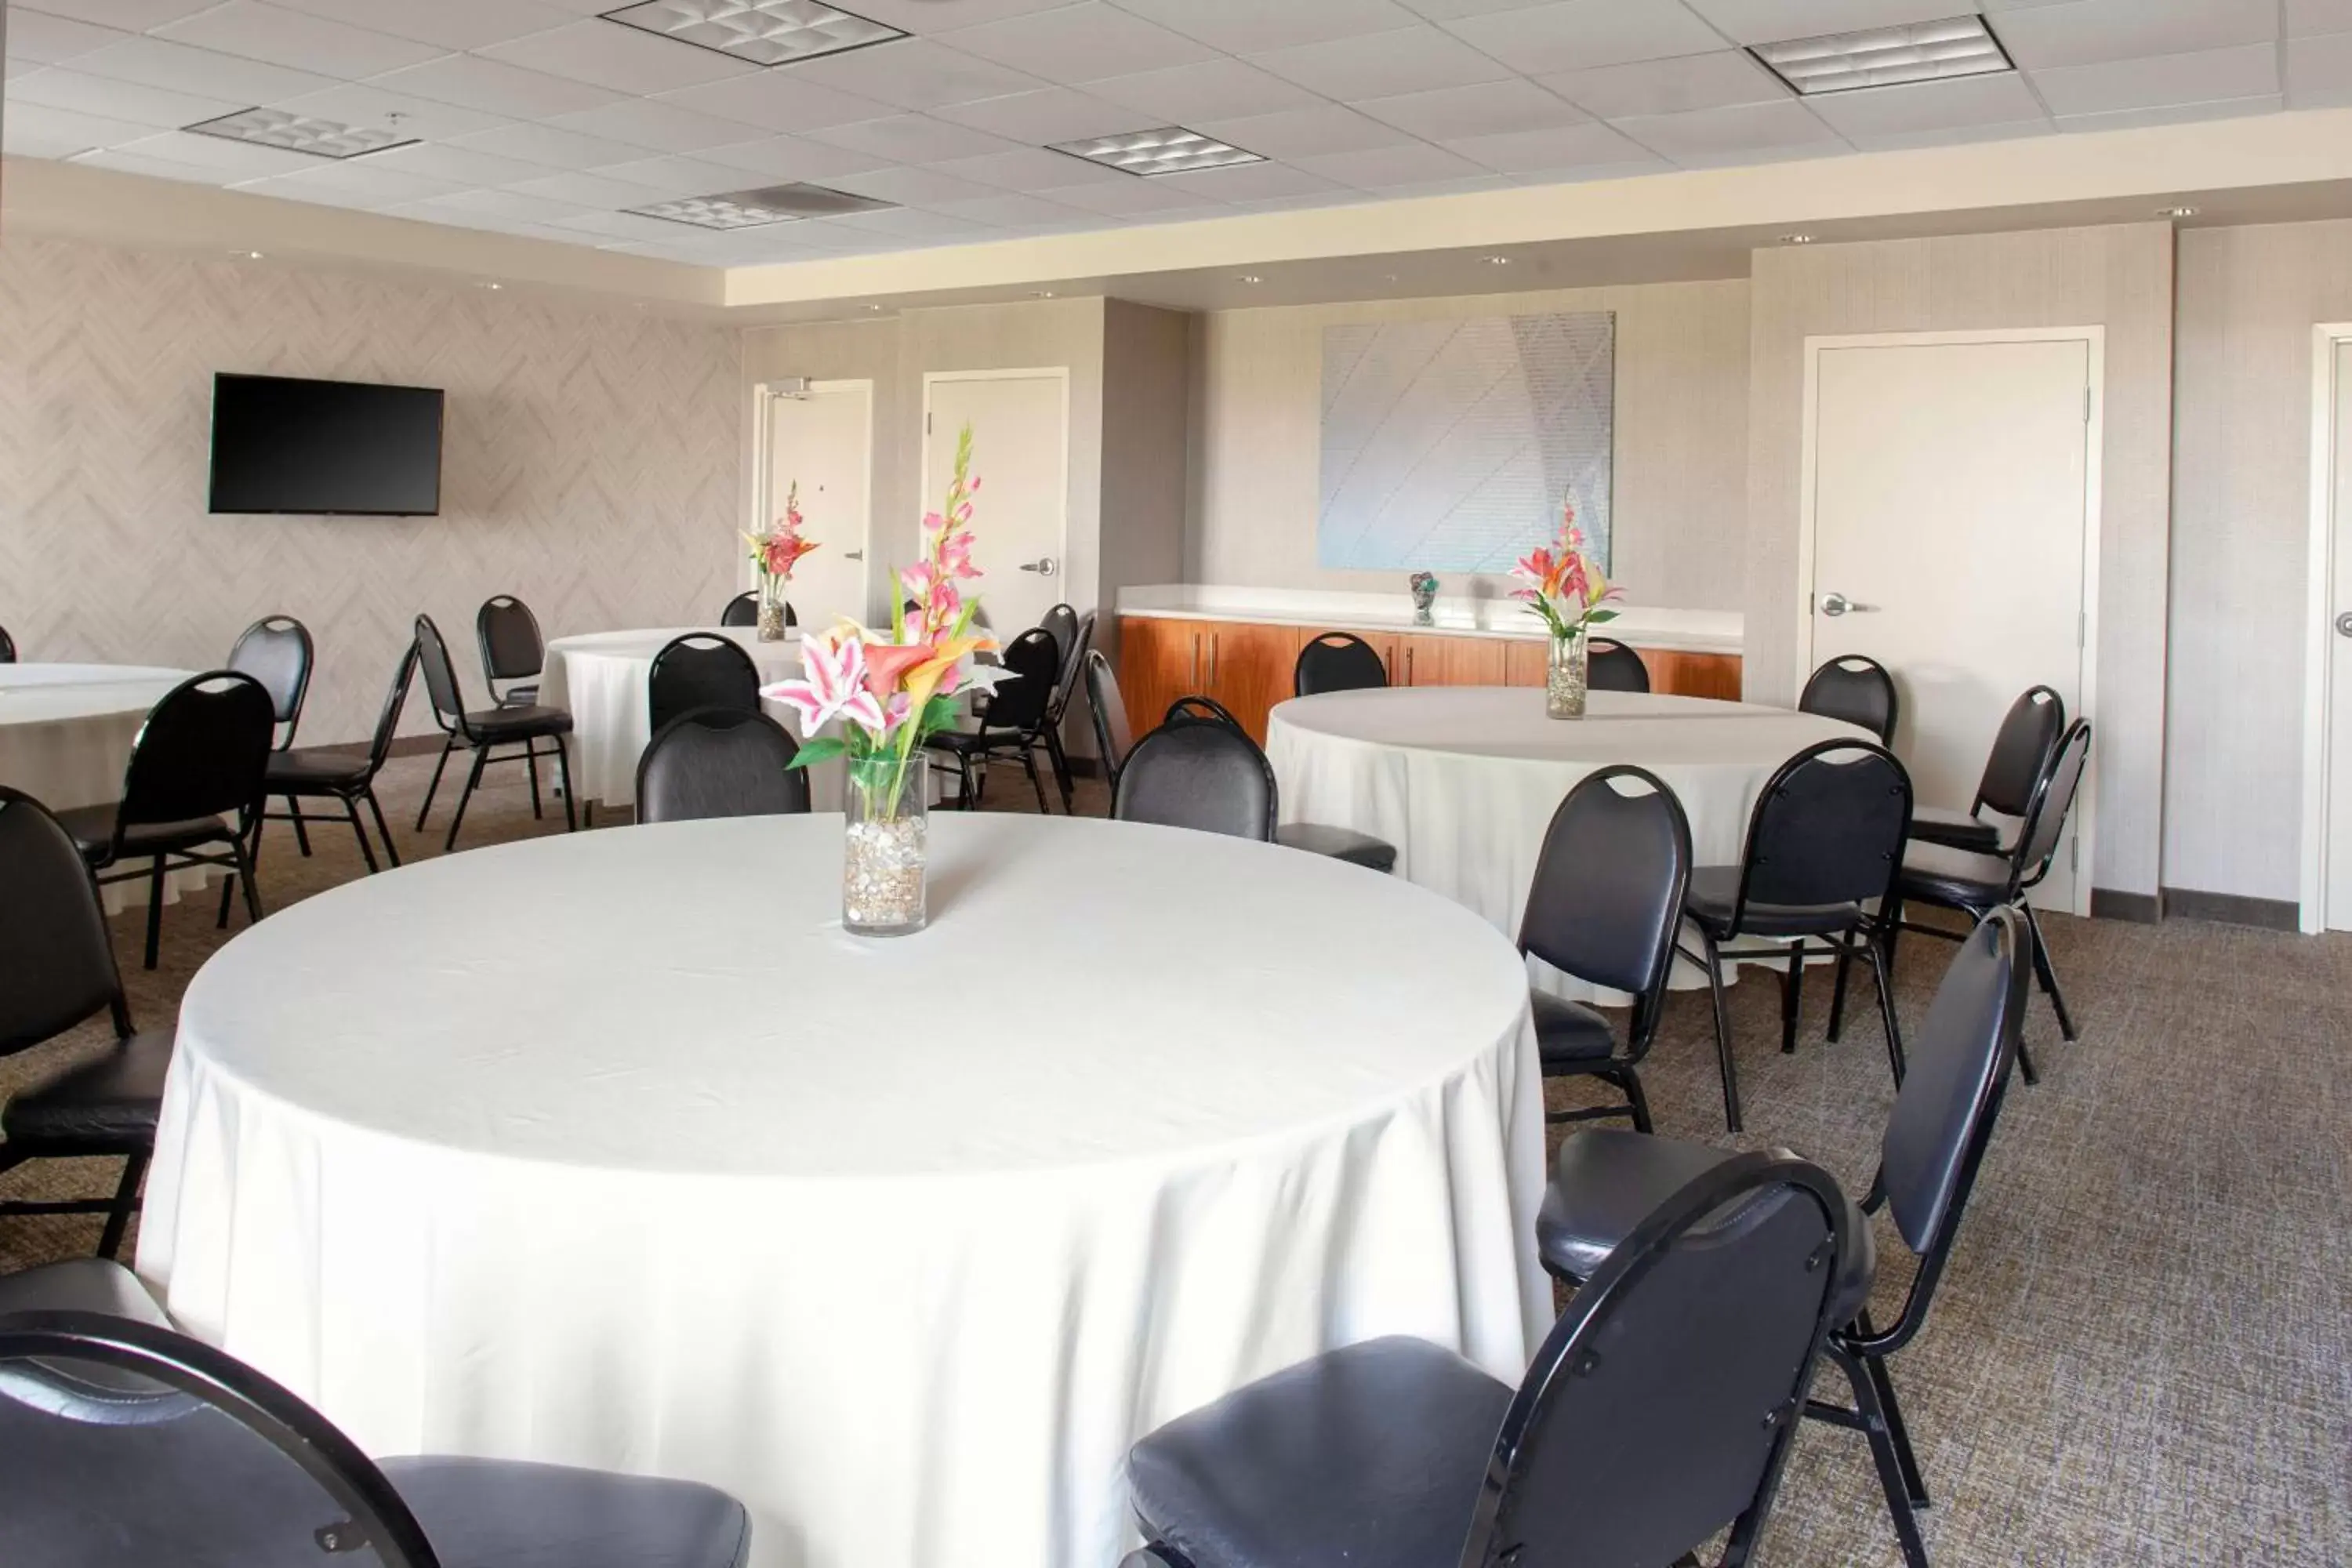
(601, 677)
(614, 1149)
(1464, 780)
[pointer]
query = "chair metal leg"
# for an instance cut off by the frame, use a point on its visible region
(2048, 974)
(2025, 1064)
(1879, 972)
(375, 809)
(531, 761)
(473, 777)
(228, 883)
(1061, 769)
(154, 911)
(1897, 1433)
(448, 741)
(1029, 766)
(1635, 1099)
(1722, 1033)
(563, 776)
(358, 831)
(1882, 1452)
(1792, 998)
(246, 880)
(301, 833)
(126, 1203)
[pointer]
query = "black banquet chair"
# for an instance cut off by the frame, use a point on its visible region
(2022, 750)
(1062, 621)
(1611, 666)
(512, 649)
(699, 671)
(1603, 908)
(718, 762)
(1011, 718)
(1073, 653)
(8, 646)
(57, 971)
(199, 1459)
(1336, 661)
(483, 729)
(1935, 1143)
(1657, 1415)
(1202, 775)
(1309, 837)
(1824, 843)
(192, 794)
(276, 651)
(743, 610)
(1857, 690)
(1114, 734)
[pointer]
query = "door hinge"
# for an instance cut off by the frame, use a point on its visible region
(927, 421)
(2075, 855)
(2087, 405)
(2081, 629)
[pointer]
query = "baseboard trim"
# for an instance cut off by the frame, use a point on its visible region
(2141, 908)
(2232, 909)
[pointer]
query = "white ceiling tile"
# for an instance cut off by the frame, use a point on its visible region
(944, 15)
(680, 176)
(494, 87)
(911, 138)
(908, 187)
(2307, 17)
(914, 73)
(1490, 109)
(1743, 154)
(664, 127)
(907, 223)
(299, 40)
(12, 67)
(1249, 27)
(1716, 133)
(2319, 71)
(1029, 169)
(623, 226)
(159, 62)
(61, 86)
(49, 40)
(1447, 10)
(1770, 21)
(1881, 112)
(1217, 88)
(2172, 114)
(775, 101)
(1304, 132)
(1378, 167)
(1951, 135)
(360, 177)
(451, 24)
(1718, 81)
(498, 207)
(1005, 209)
(1573, 35)
(1450, 188)
(1252, 181)
(459, 166)
(35, 129)
(362, 103)
(1076, 43)
(1381, 65)
(546, 145)
(1049, 114)
(2248, 71)
(626, 59)
(131, 16)
(154, 168)
(1568, 148)
(2087, 32)
(791, 158)
(575, 188)
(249, 160)
(1133, 196)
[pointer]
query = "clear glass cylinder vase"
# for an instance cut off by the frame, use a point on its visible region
(1564, 677)
(772, 608)
(885, 859)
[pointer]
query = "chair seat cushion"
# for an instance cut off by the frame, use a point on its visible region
(1570, 1036)
(1715, 890)
(323, 768)
(110, 1103)
(519, 723)
(501, 1513)
(92, 827)
(1369, 1457)
(1938, 874)
(1940, 824)
(1609, 1180)
(967, 742)
(81, 1285)
(1339, 844)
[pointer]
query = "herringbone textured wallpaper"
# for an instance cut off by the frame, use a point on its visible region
(590, 466)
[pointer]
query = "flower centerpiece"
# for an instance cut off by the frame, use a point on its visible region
(773, 555)
(1567, 589)
(891, 690)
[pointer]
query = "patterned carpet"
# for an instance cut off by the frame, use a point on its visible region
(2141, 1351)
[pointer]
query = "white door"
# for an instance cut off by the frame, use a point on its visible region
(1020, 451)
(823, 439)
(2339, 681)
(1952, 484)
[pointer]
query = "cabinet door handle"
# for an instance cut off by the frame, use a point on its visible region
(1196, 661)
(1214, 638)
(1408, 667)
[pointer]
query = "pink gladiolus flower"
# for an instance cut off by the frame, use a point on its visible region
(834, 686)
(955, 555)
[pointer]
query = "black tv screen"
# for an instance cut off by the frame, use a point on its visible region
(325, 446)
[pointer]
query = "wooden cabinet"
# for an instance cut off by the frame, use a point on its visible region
(1525, 663)
(1435, 659)
(1717, 675)
(1158, 661)
(1249, 668)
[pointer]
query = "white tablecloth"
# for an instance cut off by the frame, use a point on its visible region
(66, 732)
(601, 677)
(1464, 780)
(614, 1149)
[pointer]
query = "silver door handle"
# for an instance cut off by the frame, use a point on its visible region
(2344, 625)
(1044, 567)
(1838, 604)
(855, 555)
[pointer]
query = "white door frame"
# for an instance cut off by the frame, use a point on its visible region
(1060, 373)
(2094, 339)
(763, 395)
(2320, 602)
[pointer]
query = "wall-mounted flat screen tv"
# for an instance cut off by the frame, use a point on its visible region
(331, 447)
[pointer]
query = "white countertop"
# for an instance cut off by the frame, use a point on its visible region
(1644, 626)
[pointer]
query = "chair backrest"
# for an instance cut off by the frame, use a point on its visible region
(742, 610)
(1828, 829)
(511, 646)
(1857, 690)
(129, 1443)
(1114, 736)
(1073, 659)
(2021, 749)
(1208, 775)
(699, 671)
(387, 720)
(718, 762)
(1201, 709)
(2045, 819)
(276, 650)
(202, 753)
(1063, 622)
(56, 957)
(1663, 1403)
(1611, 666)
(441, 686)
(1607, 897)
(8, 646)
(1336, 661)
(1023, 703)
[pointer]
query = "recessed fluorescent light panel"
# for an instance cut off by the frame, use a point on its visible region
(300, 133)
(1886, 57)
(765, 32)
(755, 209)
(1169, 150)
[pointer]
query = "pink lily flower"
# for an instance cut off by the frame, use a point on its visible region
(834, 686)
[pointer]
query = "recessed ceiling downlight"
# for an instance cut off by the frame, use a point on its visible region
(1163, 150)
(1886, 57)
(300, 133)
(756, 209)
(764, 32)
